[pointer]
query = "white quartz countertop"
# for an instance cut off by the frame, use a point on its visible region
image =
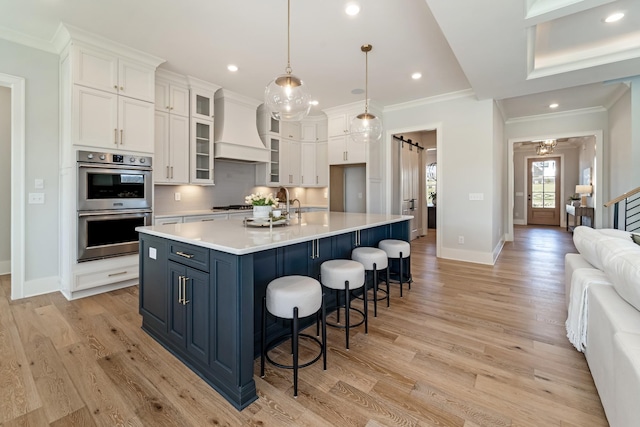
(161, 215)
(233, 237)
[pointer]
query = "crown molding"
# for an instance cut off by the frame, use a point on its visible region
(559, 114)
(467, 93)
(27, 40)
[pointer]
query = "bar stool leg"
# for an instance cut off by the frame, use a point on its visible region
(401, 276)
(375, 290)
(294, 344)
(409, 279)
(388, 294)
(324, 334)
(338, 306)
(347, 304)
(264, 333)
(365, 301)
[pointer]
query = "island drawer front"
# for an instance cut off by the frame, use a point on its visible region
(189, 255)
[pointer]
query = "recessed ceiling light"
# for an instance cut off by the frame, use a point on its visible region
(352, 9)
(416, 76)
(554, 105)
(614, 17)
(314, 102)
(232, 68)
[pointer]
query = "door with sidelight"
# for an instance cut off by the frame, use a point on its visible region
(543, 184)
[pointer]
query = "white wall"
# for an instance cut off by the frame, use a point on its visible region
(40, 70)
(619, 154)
(5, 179)
(466, 164)
(499, 182)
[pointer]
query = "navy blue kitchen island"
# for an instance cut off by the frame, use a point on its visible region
(202, 284)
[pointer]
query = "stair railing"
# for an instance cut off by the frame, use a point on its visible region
(631, 201)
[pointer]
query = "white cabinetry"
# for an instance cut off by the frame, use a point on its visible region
(106, 103)
(290, 162)
(112, 102)
(171, 160)
(315, 168)
(201, 145)
(342, 149)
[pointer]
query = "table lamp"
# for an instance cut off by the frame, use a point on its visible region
(584, 191)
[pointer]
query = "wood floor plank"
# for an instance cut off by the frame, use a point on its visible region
(469, 345)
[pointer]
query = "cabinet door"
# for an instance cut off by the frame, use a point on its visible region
(161, 164)
(290, 130)
(179, 149)
(322, 164)
(153, 283)
(308, 154)
(179, 100)
(177, 313)
(136, 125)
(309, 132)
(337, 150)
(356, 151)
(161, 100)
(293, 159)
(95, 118)
(136, 80)
(285, 173)
(201, 151)
(337, 125)
(197, 310)
(296, 259)
(202, 104)
(95, 68)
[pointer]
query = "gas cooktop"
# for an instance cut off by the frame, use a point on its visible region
(233, 208)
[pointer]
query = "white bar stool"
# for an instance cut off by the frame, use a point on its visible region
(293, 297)
(345, 275)
(373, 260)
(400, 250)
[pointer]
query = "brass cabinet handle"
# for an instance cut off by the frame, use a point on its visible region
(121, 137)
(121, 88)
(115, 136)
(184, 254)
(167, 174)
(115, 87)
(117, 274)
(171, 172)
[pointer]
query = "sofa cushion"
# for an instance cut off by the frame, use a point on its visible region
(585, 238)
(612, 232)
(572, 262)
(621, 260)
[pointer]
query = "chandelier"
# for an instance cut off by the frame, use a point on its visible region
(545, 147)
(286, 96)
(366, 127)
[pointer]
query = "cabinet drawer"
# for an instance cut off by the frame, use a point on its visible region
(92, 279)
(189, 255)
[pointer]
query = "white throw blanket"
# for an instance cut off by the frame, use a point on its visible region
(576, 323)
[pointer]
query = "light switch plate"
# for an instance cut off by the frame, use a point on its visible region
(38, 183)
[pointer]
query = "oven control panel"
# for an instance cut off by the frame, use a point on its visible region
(113, 159)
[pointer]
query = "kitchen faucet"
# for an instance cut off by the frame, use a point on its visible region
(299, 208)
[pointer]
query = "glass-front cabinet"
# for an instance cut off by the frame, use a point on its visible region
(201, 151)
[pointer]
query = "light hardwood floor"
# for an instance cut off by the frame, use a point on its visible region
(469, 345)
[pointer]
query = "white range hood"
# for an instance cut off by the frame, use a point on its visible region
(235, 129)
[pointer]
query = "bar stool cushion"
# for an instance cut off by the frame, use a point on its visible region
(335, 272)
(287, 292)
(393, 248)
(368, 256)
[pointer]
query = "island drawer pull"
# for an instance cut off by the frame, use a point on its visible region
(184, 254)
(117, 274)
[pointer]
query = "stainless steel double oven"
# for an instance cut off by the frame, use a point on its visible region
(114, 197)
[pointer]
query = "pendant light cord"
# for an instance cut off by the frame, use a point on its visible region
(288, 69)
(366, 82)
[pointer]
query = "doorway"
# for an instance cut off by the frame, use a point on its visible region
(5, 179)
(543, 188)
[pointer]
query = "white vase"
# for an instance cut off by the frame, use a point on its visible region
(261, 211)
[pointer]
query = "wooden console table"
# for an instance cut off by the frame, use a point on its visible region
(579, 212)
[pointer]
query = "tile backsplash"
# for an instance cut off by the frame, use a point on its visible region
(233, 181)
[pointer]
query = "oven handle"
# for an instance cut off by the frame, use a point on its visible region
(114, 212)
(111, 166)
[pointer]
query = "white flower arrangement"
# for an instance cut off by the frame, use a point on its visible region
(260, 199)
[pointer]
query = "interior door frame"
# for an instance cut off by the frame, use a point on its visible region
(599, 172)
(17, 86)
(559, 198)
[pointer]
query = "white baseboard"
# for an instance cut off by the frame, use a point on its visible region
(5, 267)
(519, 222)
(497, 250)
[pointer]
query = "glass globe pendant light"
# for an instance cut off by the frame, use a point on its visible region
(286, 96)
(366, 127)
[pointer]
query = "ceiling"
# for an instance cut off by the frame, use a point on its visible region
(526, 53)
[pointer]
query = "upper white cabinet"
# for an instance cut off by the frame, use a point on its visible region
(290, 130)
(342, 149)
(201, 148)
(104, 70)
(315, 168)
(171, 159)
(338, 124)
(172, 93)
(202, 98)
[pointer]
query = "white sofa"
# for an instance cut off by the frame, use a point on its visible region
(603, 300)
